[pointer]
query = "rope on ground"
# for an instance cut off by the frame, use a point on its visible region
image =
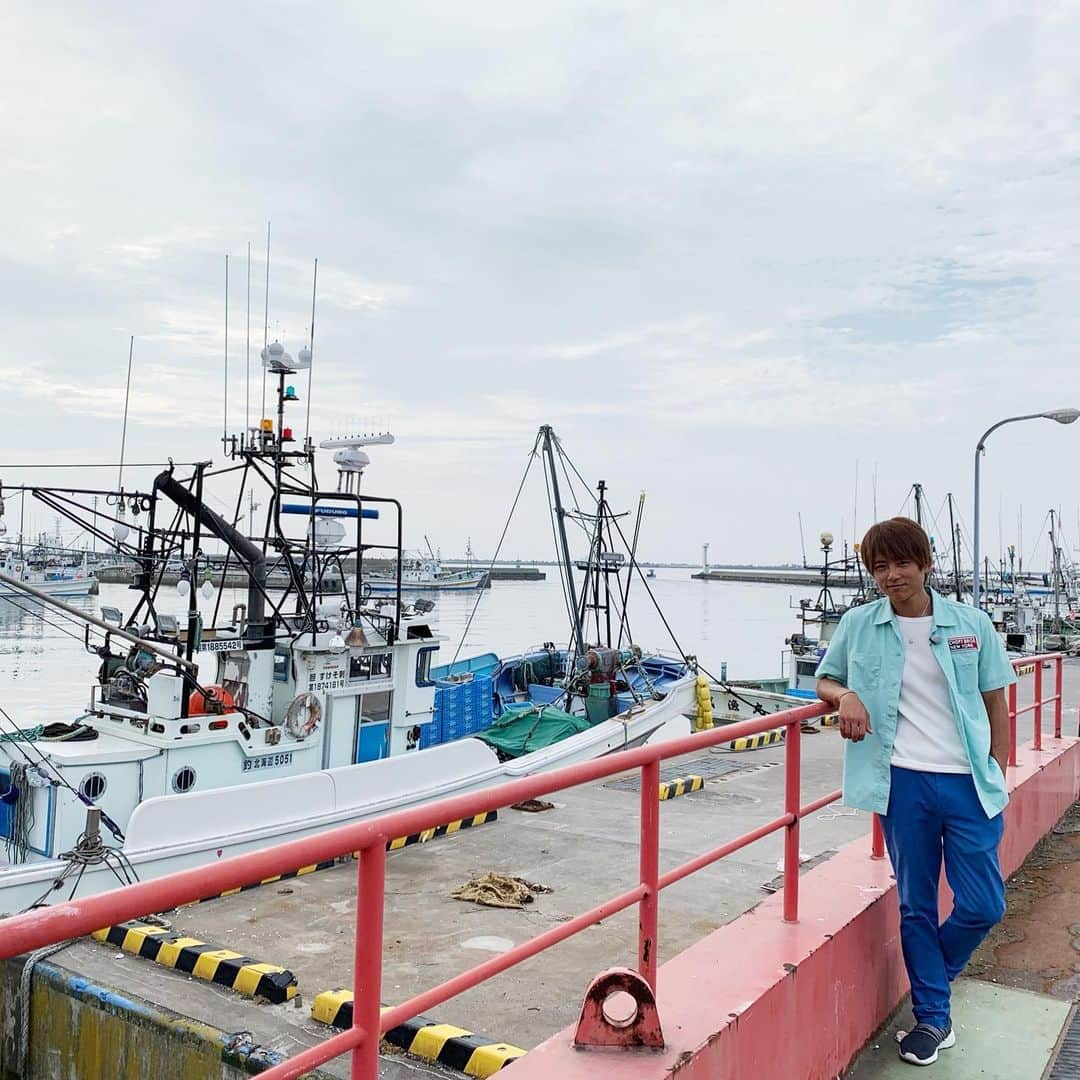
(499, 890)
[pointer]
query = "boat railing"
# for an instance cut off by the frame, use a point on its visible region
(369, 839)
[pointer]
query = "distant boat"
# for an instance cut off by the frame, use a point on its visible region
(51, 578)
(651, 572)
(426, 574)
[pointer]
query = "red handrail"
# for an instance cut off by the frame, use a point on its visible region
(368, 839)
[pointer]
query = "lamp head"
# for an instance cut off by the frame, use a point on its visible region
(1062, 416)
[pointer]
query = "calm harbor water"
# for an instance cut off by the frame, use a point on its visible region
(45, 672)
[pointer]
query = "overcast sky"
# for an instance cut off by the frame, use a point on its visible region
(727, 250)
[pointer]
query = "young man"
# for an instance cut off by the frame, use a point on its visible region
(919, 684)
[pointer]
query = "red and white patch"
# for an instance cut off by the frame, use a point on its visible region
(966, 641)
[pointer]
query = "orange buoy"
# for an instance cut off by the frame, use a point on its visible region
(222, 701)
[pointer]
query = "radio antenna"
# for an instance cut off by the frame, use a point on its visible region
(266, 321)
(225, 422)
(311, 350)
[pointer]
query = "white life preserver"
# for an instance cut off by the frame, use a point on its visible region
(303, 715)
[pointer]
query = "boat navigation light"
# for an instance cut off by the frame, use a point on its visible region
(826, 541)
(183, 586)
(337, 642)
(1062, 416)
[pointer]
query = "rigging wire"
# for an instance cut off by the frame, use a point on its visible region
(567, 601)
(43, 760)
(48, 622)
(498, 547)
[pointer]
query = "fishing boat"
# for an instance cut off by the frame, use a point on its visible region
(51, 577)
(425, 574)
(235, 726)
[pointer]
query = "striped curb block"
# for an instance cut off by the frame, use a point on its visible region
(221, 966)
(671, 789)
(442, 830)
(469, 1053)
(832, 720)
(393, 845)
(301, 872)
(756, 742)
(1025, 669)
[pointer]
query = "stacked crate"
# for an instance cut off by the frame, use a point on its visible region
(462, 709)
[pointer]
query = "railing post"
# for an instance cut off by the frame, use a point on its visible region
(649, 865)
(1038, 703)
(367, 963)
(877, 843)
(792, 765)
(1012, 724)
(1058, 665)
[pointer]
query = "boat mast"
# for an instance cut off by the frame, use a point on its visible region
(1057, 596)
(560, 520)
(954, 531)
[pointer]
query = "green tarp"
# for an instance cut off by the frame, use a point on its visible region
(520, 731)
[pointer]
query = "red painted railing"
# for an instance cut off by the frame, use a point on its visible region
(368, 839)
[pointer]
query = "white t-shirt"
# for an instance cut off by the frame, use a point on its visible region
(927, 736)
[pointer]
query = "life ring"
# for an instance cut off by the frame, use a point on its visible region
(303, 715)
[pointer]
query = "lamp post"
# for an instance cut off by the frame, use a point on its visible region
(1062, 416)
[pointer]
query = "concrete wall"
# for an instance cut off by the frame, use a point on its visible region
(82, 1031)
(764, 999)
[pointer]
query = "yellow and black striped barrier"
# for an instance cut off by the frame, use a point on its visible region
(442, 830)
(301, 872)
(1025, 669)
(756, 742)
(832, 720)
(671, 789)
(221, 966)
(392, 845)
(472, 1054)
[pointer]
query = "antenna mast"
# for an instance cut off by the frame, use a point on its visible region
(311, 350)
(127, 398)
(225, 422)
(247, 361)
(266, 321)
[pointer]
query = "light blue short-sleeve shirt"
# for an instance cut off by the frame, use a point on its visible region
(866, 655)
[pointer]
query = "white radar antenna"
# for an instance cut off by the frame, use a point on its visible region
(350, 460)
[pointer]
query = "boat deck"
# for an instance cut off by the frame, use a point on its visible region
(584, 850)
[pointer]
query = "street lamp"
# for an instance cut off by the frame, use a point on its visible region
(1062, 416)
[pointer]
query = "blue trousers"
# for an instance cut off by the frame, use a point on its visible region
(936, 816)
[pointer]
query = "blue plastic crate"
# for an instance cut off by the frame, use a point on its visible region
(454, 729)
(430, 735)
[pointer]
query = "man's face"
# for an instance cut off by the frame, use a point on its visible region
(901, 580)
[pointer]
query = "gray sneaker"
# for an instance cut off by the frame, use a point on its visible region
(920, 1046)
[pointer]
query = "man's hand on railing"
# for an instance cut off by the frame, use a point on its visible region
(854, 719)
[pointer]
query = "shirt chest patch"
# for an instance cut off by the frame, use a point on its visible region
(963, 643)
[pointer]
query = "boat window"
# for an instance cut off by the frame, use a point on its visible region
(281, 667)
(233, 669)
(183, 779)
(423, 667)
(370, 666)
(92, 786)
(375, 708)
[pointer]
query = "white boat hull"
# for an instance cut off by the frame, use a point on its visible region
(179, 832)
